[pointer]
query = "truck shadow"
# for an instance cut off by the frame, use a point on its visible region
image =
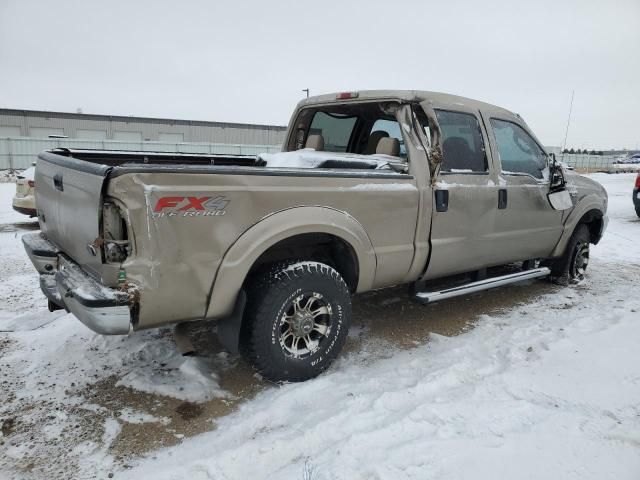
(389, 315)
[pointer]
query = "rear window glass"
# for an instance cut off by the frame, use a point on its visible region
(335, 128)
(388, 128)
(462, 143)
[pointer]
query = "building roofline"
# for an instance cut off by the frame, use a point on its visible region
(125, 118)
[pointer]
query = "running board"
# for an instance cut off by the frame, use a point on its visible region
(429, 297)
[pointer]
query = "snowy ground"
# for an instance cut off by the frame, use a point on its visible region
(531, 381)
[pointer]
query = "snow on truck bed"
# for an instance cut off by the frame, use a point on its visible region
(548, 389)
(310, 158)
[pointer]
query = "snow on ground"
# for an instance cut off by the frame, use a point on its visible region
(548, 389)
(627, 166)
(48, 361)
(7, 213)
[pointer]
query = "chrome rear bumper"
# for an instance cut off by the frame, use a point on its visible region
(104, 310)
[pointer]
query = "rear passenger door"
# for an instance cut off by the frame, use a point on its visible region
(526, 225)
(465, 196)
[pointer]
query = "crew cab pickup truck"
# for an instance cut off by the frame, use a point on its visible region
(371, 189)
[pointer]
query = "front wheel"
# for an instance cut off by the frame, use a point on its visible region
(571, 267)
(297, 320)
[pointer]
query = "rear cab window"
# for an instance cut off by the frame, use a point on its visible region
(355, 129)
(336, 130)
(462, 143)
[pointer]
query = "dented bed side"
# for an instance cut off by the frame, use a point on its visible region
(194, 236)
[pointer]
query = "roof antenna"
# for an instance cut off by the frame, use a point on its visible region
(306, 90)
(566, 132)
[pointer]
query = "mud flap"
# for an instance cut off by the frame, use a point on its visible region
(229, 327)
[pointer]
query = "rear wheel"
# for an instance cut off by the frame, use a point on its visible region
(638, 211)
(297, 320)
(571, 267)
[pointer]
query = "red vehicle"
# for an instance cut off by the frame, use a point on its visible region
(636, 195)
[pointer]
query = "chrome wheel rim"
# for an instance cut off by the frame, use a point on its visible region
(580, 261)
(305, 325)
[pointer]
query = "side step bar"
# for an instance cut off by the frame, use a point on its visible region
(429, 297)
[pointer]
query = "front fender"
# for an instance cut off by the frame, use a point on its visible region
(586, 204)
(241, 256)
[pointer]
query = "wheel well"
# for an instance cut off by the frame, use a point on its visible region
(319, 247)
(593, 220)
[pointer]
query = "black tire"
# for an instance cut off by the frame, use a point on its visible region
(571, 266)
(638, 211)
(296, 321)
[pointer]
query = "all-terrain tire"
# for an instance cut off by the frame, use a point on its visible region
(297, 319)
(571, 266)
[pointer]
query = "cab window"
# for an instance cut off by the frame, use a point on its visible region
(385, 128)
(335, 128)
(462, 144)
(519, 152)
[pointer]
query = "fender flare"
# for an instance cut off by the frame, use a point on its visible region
(241, 256)
(586, 204)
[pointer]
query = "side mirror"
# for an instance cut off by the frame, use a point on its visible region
(556, 175)
(558, 195)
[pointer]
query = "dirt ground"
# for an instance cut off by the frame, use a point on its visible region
(383, 322)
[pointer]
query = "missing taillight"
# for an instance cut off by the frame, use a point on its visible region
(31, 183)
(114, 234)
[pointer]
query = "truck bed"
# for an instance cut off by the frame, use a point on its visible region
(301, 159)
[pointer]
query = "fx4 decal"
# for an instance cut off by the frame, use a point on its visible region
(190, 207)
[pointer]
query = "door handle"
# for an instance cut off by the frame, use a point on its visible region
(442, 200)
(57, 182)
(502, 198)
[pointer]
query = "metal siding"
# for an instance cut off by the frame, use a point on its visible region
(91, 134)
(177, 137)
(44, 132)
(10, 131)
(193, 130)
(198, 136)
(128, 135)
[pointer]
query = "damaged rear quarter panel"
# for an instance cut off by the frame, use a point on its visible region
(177, 251)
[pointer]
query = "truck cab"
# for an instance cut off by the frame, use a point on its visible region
(484, 177)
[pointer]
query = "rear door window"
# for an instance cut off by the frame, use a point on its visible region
(519, 152)
(462, 143)
(335, 128)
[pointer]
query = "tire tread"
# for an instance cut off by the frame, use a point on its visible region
(263, 293)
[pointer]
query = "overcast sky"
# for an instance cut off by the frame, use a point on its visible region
(247, 61)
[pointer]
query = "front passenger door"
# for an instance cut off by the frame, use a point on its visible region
(526, 225)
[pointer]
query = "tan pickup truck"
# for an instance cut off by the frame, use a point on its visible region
(371, 189)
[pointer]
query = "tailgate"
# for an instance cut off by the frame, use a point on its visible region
(69, 199)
